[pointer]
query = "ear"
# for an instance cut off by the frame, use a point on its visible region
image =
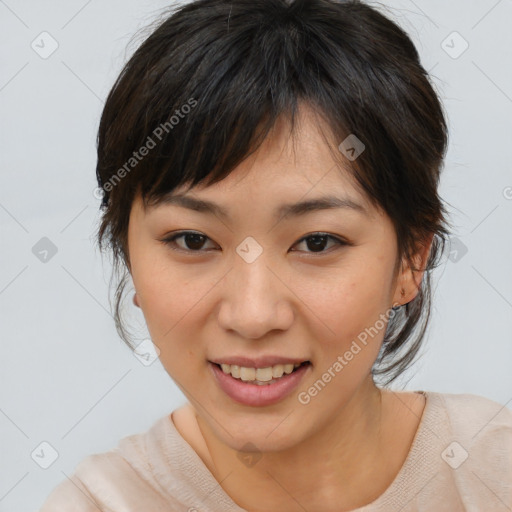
(409, 279)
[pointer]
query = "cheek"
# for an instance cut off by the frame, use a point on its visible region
(346, 296)
(173, 300)
(347, 311)
(169, 305)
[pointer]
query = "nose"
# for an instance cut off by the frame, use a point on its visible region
(255, 300)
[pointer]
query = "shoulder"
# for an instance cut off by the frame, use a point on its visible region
(476, 429)
(474, 415)
(70, 492)
(461, 458)
(80, 490)
(113, 479)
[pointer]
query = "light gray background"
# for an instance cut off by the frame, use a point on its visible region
(66, 377)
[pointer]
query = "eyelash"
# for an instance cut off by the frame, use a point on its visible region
(170, 241)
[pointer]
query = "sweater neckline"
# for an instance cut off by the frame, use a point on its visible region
(201, 482)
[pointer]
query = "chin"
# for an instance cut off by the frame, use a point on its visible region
(260, 432)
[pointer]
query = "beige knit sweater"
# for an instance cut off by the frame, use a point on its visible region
(460, 460)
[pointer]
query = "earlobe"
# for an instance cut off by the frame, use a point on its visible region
(136, 300)
(397, 302)
(410, 278)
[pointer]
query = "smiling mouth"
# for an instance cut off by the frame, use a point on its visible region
(260, 376)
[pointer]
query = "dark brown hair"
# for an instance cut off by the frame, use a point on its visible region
(202, 92)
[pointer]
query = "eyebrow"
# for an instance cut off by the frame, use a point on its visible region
(294, 210)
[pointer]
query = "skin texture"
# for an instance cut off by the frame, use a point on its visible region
(342, 449)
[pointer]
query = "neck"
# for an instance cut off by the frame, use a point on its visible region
(333, 469)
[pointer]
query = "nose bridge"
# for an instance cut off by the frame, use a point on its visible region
(254, 300)
(252, 275)
(254, 279)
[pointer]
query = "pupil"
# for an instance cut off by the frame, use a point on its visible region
(316, 245)
(195, 239)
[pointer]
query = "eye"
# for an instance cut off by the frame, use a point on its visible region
(192, 240)
(317, 241)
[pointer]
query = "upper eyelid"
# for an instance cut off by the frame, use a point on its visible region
(171, 238)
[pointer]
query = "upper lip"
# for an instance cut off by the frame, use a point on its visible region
(257, 362)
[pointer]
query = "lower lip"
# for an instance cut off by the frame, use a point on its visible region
(254, 394)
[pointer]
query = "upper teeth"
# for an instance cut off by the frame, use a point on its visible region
(261, 374)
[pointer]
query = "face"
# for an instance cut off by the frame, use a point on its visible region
(314, 285)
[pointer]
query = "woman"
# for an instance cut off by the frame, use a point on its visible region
(270, 174)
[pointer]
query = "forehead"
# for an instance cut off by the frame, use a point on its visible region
(297, 169)
(299, 164)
